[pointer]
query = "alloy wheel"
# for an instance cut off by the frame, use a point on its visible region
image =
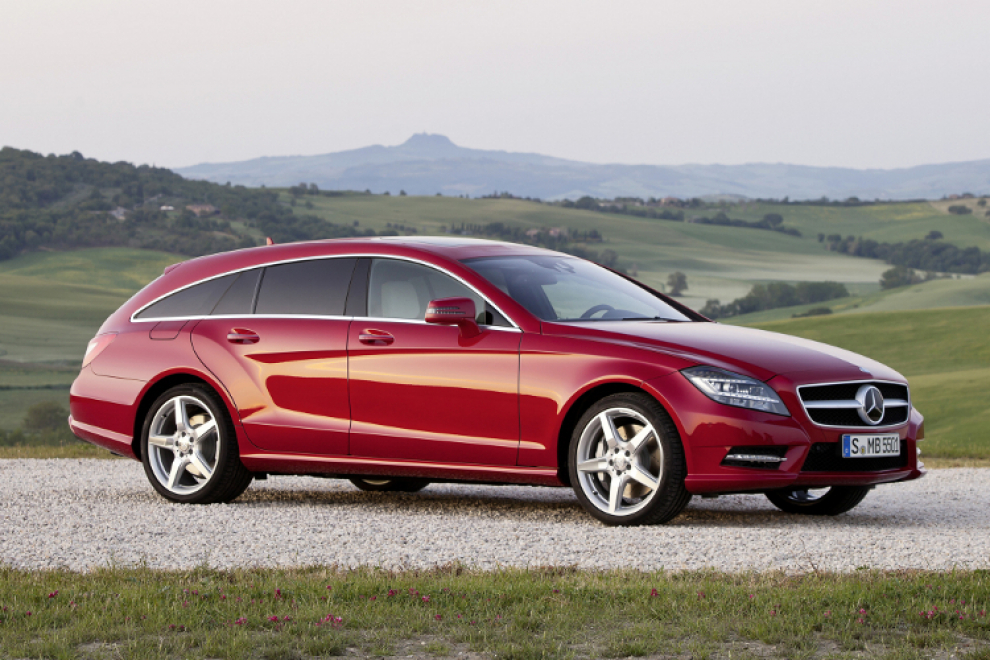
(183, 445)
(620, 462)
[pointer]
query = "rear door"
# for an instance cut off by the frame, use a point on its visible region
(277, 340)
(421, 391)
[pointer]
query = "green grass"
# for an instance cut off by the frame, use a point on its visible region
(549, 613)
(71, 449)
(720, 262)
(15, 402)
(52, 303)
(943, 352)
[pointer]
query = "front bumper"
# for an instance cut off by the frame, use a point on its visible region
(709, 430)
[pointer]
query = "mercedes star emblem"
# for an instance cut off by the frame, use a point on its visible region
(870, 404)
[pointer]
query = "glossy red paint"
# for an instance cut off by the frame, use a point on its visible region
(358, 395)
(290, 385)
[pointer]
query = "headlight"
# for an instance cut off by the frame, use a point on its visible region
(736, 390)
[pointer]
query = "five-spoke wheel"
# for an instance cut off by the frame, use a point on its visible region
(626, 462)
(189, 450)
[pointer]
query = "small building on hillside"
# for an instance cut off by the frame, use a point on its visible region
(203, 209)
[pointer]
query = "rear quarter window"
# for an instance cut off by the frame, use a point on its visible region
(197, 300)
(314, 288)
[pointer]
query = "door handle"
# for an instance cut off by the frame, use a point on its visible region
(241, 336)
(376, 338)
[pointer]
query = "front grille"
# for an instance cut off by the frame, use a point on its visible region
(813, 396)
(827, 457)
(845, 391)
(849, 417)
(737, 457)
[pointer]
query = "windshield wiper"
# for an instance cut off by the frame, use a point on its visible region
(647, 318)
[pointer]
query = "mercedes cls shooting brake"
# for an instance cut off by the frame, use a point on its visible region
(396, 362)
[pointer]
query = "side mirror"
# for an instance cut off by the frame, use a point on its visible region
(454, 311)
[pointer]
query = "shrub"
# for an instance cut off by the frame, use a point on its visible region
(45, 416)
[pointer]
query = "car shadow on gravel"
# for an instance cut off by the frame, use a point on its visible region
(559, 505)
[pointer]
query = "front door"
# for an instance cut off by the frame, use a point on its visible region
(422, 392)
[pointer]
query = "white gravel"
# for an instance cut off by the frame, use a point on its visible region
(84, 514)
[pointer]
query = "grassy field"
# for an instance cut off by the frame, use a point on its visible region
(550, 613)
(52, 303)
(944, 353)
(720, 262)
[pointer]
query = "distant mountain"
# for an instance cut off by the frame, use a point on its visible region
(427, 164)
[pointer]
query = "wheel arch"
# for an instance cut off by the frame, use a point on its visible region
(166, 382)
(578, 408)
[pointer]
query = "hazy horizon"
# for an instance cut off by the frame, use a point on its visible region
(879, 85)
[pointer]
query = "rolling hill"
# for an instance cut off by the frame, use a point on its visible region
(428, 164)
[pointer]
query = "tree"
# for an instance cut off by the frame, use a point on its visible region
(933, 235)
(608, 258)
(960, 209)
(402, 193)
(677, 283)
(45, 416)
(712, 309)
(899, 276)
(773, 219)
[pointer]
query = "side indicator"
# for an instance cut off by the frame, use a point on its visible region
(96, 346)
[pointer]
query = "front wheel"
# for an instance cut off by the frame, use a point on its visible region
(189, 449)
(626, 462)
(818, 501)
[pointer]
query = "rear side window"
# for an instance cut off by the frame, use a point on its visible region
(317, 287)
(197, 300)
(239, 298)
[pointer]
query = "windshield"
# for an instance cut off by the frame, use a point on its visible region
(569, 289)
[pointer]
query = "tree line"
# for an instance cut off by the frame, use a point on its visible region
(774, 295)
(928, 254)
(71, 201)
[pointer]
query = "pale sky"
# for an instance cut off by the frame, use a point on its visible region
(855, 83)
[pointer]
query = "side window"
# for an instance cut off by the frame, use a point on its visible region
(316, 287)
(197, 300)
(239, 298)
(403, 290)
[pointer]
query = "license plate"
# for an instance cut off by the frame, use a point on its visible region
(867, 446)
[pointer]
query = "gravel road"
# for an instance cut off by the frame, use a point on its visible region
(83, 514)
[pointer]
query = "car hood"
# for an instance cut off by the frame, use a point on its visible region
(758, 353)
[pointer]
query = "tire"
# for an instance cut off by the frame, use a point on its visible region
(832, 502)
(391, 484)
(201, 450)
(648, 451)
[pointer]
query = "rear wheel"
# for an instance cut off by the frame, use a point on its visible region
(626, 462)
(395, 484)
(818, 501)
(189, 448)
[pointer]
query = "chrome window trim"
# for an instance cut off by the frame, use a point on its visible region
(857, 382)
(515, 326)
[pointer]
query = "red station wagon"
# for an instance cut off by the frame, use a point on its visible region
(395, 362)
